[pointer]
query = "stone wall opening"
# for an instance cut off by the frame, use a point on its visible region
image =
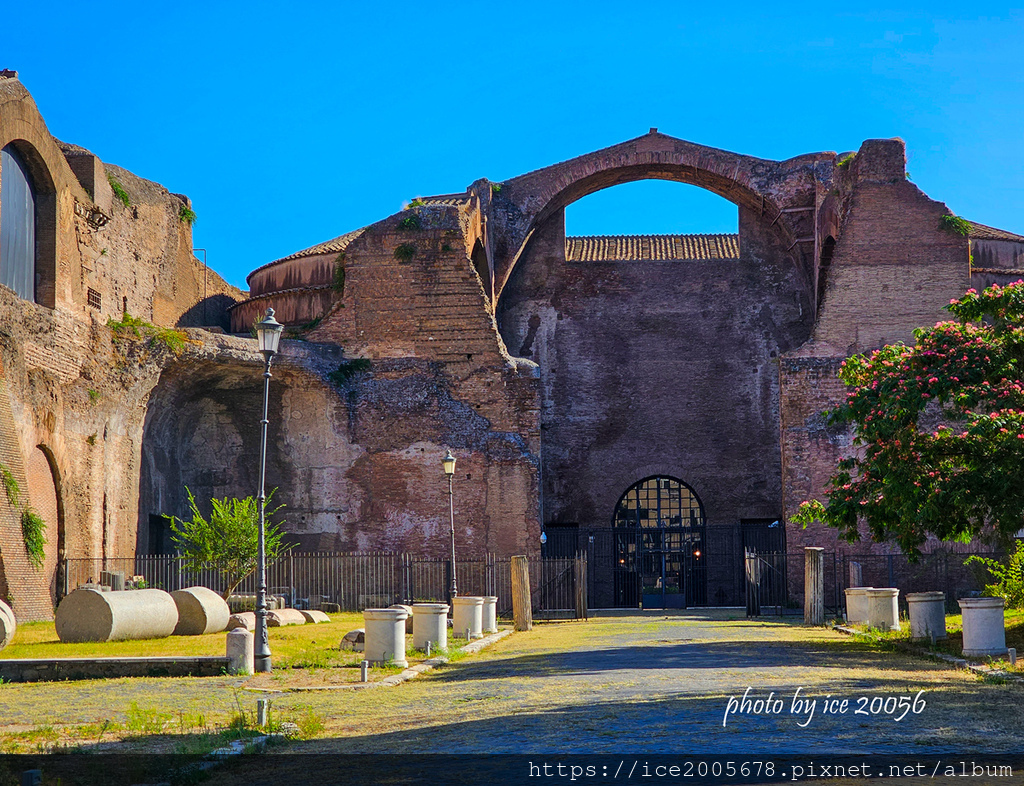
(28, 224)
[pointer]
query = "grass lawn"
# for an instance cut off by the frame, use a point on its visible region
(953, 644)
(302, 655)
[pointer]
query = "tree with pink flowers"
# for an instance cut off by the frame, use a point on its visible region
(939, 431)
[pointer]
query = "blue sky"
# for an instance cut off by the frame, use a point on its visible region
(288, 126)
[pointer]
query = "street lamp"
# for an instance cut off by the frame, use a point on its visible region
(268, 335)
(448, 462)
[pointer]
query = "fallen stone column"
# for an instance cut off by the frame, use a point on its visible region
(89, 615)
(200, 610)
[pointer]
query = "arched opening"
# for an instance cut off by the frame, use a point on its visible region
(659, 525)
(651, 207)
(45, 500)
(479, 260)
(28, 224)
(17, 225)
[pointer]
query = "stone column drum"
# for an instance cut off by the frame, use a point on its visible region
(927, 615)
(90, 615)
(385, 636)
(490, 612)
(430, 624)
(7, 624)
(857, 605)
(468, 613)
(200, 611)
(884, 608)
(984, 627)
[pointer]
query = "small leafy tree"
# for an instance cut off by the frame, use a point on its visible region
(1009, 578)
(941, 427)
(229, 540)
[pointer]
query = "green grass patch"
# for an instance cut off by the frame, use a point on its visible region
(133, 328)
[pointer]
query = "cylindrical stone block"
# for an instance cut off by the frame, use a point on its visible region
(884, 608)
(7, 624)
(246, 619)
(814, 585)
(200, 611)
(407, 610)
(89, 615)
(857, 605)
(927, 615)
(430, 624)
(468, 614)
(281, 617)
(984, 626)
(385, 636)
(240, 651)
(490, 613)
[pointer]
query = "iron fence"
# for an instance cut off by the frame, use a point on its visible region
(355, 581)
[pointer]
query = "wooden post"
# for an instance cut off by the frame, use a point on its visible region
(814, 585)
(522, 603)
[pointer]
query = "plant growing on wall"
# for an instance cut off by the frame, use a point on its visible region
(119, 193)
(227, 541)
(11, 488)
(411, 221)
(940, 427)
(129, 327)
(33, 531)
(955, 225)
(186, 215)
(846, 160)
(348, 369)
(405, 252)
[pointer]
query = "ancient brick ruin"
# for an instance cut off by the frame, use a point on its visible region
(597, 388)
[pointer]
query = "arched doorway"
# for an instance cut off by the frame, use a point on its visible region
(659, 527)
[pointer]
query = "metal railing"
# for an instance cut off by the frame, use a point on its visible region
(355, 581)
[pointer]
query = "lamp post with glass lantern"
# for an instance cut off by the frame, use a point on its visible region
(268, 335)
(448, 462)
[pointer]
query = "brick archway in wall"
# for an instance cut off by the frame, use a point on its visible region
(44, 497)
(784, 193)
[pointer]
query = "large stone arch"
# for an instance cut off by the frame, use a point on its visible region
(785, 194)
(45, 497)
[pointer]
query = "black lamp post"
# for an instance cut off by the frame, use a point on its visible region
(268, 334)
(448, 462)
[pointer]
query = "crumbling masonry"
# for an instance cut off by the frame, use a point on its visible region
(565, 373)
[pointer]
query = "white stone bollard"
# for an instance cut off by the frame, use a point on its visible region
(984, 627)
(200, 611)
(7, 624)
(385, 636)
(240, 651)
(490, 612)
(884, 608)
(857, 605)
(468, 614)
(927, 615)
(430, 626)
(89, 615)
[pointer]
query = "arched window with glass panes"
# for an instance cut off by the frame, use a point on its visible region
(17, 225)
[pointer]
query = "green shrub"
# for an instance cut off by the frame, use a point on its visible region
(118, 189)
(33, 531)
(134, 328)
(411, 221)
(955, 225)
(405, 252)
(415, 202)
(846, 160)
(495, 188)
(186, 215)
(1009, 577)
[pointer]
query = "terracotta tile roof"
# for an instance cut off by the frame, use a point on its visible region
(335, 246)
(450, 200)
(982, 232)
(606, 248)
